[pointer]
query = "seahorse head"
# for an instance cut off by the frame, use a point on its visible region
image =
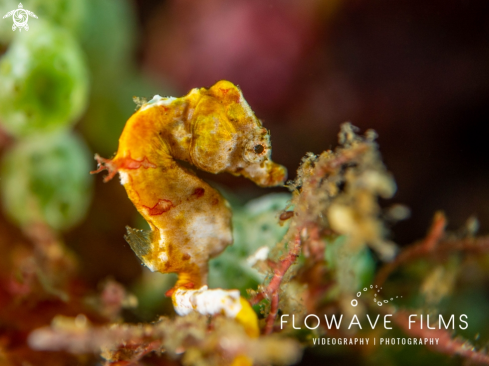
(227, 136)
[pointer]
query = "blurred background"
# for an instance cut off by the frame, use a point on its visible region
(415, 72)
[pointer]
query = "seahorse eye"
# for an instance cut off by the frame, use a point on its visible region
(259, 149)
(255, 150)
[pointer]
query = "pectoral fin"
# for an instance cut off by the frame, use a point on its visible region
(139, 240)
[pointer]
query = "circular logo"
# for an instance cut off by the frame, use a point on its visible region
(20, 18)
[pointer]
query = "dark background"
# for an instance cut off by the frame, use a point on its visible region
(416, 72)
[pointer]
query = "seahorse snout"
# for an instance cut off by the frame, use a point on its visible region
(266, 174)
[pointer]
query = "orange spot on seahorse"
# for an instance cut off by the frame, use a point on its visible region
(161, 207)
(233, 96)
(125, 163)
(188, 286)
(130, 163)
(198, 192)
(186, 257)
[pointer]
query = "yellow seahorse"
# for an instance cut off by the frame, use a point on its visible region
(216, 131)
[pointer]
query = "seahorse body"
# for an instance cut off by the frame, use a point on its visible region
(212, 129)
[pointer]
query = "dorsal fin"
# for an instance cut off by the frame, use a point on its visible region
(139, 240)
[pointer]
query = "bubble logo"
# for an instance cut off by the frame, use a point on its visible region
(376, 299)
(20, 17)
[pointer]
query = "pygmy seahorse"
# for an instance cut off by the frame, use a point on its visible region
(214, 130)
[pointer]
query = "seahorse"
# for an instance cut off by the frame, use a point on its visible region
(214, 130)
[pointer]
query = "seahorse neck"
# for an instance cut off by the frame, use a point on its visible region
(159, 132)
(179, 126)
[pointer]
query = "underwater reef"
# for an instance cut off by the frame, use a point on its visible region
(168, 264)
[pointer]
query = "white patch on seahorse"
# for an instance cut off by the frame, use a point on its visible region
(193, 91)
(208, 228)
(158, 100)
(149, 264)
(124, 177)
(207, 302)
(203, 227)
(180, 133)
(163, 257)
(162, 241)
(190, 114)
(246, 107)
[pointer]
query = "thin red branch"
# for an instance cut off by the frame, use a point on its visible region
(446, 344)
(436, 232)
(433, 246)
(417, 250)
(471, 245)
(272, 314)
(272, 289)
(310, 184)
